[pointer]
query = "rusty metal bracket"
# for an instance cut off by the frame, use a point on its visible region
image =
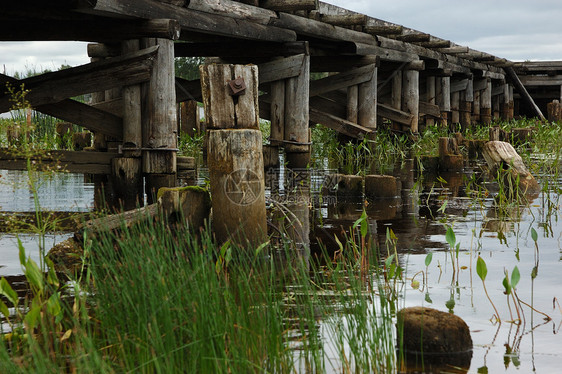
(237, 86)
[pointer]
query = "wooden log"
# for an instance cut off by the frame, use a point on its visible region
(235, 162)
(189, 118)
(297, 138)
(486, 103)
(411, 96)
(103, 30)
(383, 29)
(503, 160)
(277, 119)
(289, 5)
(434, 44)
(514, 78)
(344, 19)
(414, 37)
(128, 182)
(396, 94)
(338, 124)
(429, 110)
(396, 115)
(81, 140)
(280, 69)
(431, 100)
(53, 87)
(342, 80)
(222, 23)
(457, 49)
(241, 49)
(496, 133)
(455, 106)
(367, 99)
(449, 155)
(103, 50)
(132, 123)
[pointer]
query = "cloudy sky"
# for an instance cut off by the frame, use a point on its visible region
(514, 29)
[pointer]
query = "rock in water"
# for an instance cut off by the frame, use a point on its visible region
(438, 338)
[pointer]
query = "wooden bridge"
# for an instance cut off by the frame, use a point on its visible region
(377, 71)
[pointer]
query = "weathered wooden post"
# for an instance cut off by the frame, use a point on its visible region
(465, 105)
(127, 170)
(455, 107)
(297, 134)
(486, 103)
(444, 98)
(234, 156)
(396, 95)
(277, 108)
(159, 122)
(430, 97)
(367, 102)
(411, 96)
(189, 118)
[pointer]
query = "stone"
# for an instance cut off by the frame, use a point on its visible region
(380, 186)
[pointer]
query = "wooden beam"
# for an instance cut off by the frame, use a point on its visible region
(234, 9)
(344, 19)
(340, 63)
(457, 49)
(414, 37)
(281, 69)
(383, 29)
(103, 50)
(433, 44)
(338, 124)
(104, 30)
(458, 86)
(240, 49)
(393, 114)
(222, 23)
(342, 80)
(289, 5)
(512, 76)
(429, 109)
(96, 76)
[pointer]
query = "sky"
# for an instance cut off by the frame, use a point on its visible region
(513, 29)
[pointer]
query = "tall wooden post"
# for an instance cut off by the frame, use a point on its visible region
(396, 95)
(235, 156)
(444, 98)
(504, 104)
(455, 106)
(297, 135)
(486, 103)
(189, 118)
(277, 132)
(352, 103)
(411, 96)
(465, 105)
(160, 128)
(430, 97)
(367, 96)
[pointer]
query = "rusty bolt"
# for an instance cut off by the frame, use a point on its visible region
(237, 86)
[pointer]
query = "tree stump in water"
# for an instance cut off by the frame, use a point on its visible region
(554, 111)
(450, 157)
(503, 161)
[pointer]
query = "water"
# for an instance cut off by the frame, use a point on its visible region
(419, 219)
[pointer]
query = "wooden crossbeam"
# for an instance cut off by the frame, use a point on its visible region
(289, 5)
(285, 68)
(240, 49)
(393, 114)
(338, 124)
(342, 80)
(81, 114)
(96, 76)
(429, 109)
(104, 30)
(383, 29)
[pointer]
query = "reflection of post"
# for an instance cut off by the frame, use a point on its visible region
(235, 156)
(298, 225)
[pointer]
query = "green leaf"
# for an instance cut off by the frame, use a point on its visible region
(506, 285)
(428, 259)
(389, 260)
(428, 298)
(481, 268)
(8, 291)
(32, 315)
(52, 275)
(415, 284)
(261, 247)
(340, 245)
(450, 304)
(534, 272)
(22, 253)
(4, 309)
(34, 275)
(534, 234)
(54, 308)
(515, 276)
(450, 237)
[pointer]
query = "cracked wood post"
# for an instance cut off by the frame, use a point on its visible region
(430, 98)
(297, 134)
(127, 170)
(367, 102)
(443, 88)
(465, 105)
(159, 120)
(411, 96)
(396, 96)
(486, 103)
(235, 155)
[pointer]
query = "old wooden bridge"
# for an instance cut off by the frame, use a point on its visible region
(377, 71)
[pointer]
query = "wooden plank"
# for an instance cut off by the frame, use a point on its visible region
(277, 109)
(193, 20)
(393, 114)
(414, 37)
(246, 107)
(103, 50)
(280, 69)
(344, 19)
(316, 29)
(289, 5)
(114, 72)
(383, 29)
(104, 30)
(367, 101)
(338, 124)
(457, 49)
(340, 63)
(434, 44)
(429, 109)
(534, 80)
(240, 49)
(233, 9)
(457, 86)
(297, 110)
(342, 80)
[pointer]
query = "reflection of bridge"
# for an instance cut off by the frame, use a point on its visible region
(376, 70)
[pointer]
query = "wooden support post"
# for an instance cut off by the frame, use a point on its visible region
(455, 106)
(367, 109)
(411, 96)
(277, 132)
(235, 155)
(504, 103)
(189, 118)
(444, 98)
(476, 102)
(430, 98)
(297, 147)
(486, 103)
(160, 121)
(465, 105)
(352, 103)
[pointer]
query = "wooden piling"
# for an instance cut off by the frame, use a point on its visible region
(411, 96)
(443, 94)
(296, 138)
(367, 99)
(486, 103)
(455, 107)
(189, 118)
(160, 121)
(430, 97)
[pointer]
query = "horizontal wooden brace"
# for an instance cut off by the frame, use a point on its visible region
(241, 49)
(393, 114)
(342, 80)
